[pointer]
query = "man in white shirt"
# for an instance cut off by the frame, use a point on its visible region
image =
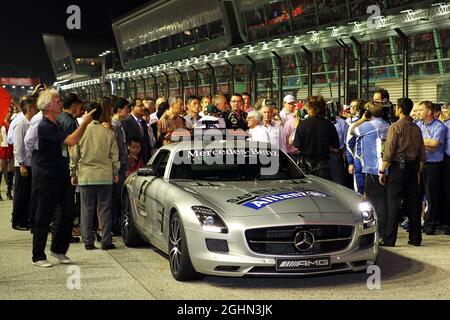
(22, 192)
(275, 131)
(257, 131)
(18, 118)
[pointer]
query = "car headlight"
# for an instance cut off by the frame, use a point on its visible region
(368, 214)
(210, 220)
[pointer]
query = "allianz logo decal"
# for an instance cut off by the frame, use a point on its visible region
(262, 202)
(304, 263)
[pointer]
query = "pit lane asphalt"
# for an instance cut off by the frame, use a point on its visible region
(143, 274)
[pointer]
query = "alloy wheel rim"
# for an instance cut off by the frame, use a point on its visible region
(175, 243)
(126, 217)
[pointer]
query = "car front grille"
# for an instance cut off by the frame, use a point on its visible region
(279, 241)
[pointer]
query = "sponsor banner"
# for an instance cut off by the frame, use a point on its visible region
(19, 81)
(263, 202)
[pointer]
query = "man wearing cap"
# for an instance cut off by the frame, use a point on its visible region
(288, 117)
(237, 118)
(289, 108)
(256, 130)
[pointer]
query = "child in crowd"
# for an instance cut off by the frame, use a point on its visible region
(134, 156)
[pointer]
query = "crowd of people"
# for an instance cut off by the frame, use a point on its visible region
(70, 158)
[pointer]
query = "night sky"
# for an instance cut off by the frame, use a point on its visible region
(22, 51)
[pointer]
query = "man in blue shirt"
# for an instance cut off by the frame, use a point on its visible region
(372, 130)
(353, 150)
(434, 134)
(337, 166)
(446, 119)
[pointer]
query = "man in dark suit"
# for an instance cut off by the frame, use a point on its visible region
(136, 127)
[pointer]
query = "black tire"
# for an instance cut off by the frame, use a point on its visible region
(130, 235)
(179, 258)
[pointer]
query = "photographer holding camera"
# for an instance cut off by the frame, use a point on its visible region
(405, 156)
(316, 137)
(372, 130)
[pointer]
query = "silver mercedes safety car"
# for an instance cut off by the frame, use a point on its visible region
(240, 209)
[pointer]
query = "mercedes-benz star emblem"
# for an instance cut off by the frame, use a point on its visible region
(304, 241)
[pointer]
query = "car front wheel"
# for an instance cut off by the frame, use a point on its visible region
(131, 237)
(179, 259)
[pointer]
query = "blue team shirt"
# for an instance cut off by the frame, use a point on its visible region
(342, 129)
(447, 140)
(435, 130)
(373, 134)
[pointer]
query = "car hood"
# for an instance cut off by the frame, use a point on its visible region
(247, 198)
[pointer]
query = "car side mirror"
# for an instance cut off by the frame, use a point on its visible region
(146, 171)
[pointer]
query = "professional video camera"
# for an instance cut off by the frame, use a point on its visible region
(387, 112)
(332, 111)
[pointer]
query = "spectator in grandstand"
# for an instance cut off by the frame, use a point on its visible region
(275, 131)
(289, 108)
(120, 113)
(193, 110)
(53, 185)
(171, 120)
(372, 130)
(405, 155)
(247, 102)
(316, 137)
(434, 134)
(95, 165)
(256, 130)
(22, 192)
(237, 117)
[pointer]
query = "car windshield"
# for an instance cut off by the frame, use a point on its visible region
(234, 165)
